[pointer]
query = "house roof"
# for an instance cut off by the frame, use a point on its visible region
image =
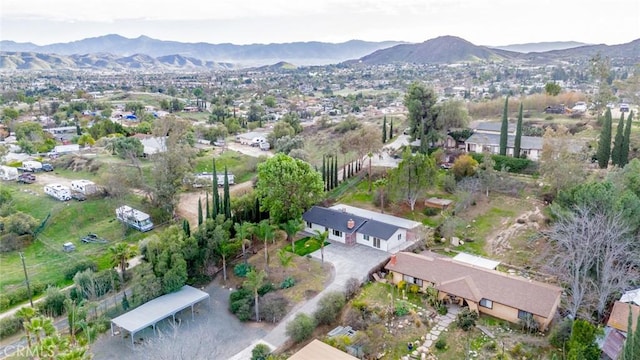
(631, 296)
(317, 350)
(385, 218)
(619, 317)
(613, 343)
(476, 283)
(494, 127)
(333, 219)
(378, 229)
(526, 142)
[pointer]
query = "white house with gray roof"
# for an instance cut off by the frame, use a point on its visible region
(350, 225)
(530, 146)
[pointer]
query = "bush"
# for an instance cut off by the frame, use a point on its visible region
(441, 344)
(511, 164)
(301, 327)
(242, 269)
(240, 303)
(355, 318)
(414, 289)
(352, 288)
(561, 333)
(401, 285)
(401, 310)
(466, 319)
(260, 352)
(449, 183)
(442, 309)
(53, 303)
(273, 307)
(329, 308)
(12, 242)
(429, 211)
(10, 325)
(266, 288)
(287, 283)
(72, 270)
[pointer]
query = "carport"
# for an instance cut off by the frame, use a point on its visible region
(156, 310)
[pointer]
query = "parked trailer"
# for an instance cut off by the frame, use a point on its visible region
(134, 218)
(31, 166)
(58, 191)
(83, 186)
(8, 173)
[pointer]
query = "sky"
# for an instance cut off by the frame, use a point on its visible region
(483, 22)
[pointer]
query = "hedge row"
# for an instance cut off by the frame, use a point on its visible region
(513, 165)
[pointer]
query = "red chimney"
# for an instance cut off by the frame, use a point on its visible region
(351, 224)
(392, 262)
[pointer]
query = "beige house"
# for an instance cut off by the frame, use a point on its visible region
(486, 291)
(317, 350)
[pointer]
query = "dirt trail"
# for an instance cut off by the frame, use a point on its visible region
(188, 203)
(498, 243)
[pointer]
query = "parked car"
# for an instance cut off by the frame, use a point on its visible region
(624, 107)
(47, 167)
(26, 178)
(78, 196)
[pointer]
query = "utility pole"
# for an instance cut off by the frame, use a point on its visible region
(26, 277)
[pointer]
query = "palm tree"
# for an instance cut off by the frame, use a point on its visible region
(254, 282)
(26, 314)
(319, 238)
(291, 227)
(265, 231)
(243, 232)
(286, 258)
(225, 249)
(381, 184)
(120, 253)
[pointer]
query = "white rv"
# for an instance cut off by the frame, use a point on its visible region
(31, 166)
(8, 172)
(85, 187)
(134, 218)
(60, 192)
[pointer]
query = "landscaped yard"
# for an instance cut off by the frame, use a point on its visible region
(304, 247)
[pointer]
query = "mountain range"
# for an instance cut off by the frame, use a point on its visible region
(117, 53)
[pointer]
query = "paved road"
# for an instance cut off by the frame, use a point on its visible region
(348, 261)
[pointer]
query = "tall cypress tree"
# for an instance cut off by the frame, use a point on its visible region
(186, 228)
(384, 129)
(391, 130)
(618, 143)
(624, 154)
(335, 171)
(324, 171)
(604, 144)
(199, 211)
(518, 139)
(504, 129)
(226, 201)
(216, 195)
(208, 212)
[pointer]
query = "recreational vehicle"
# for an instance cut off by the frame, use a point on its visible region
(84, 187)
(8, 172)
(134, 218)
(60, 192)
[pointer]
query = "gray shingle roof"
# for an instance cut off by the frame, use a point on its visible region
(527, 142)
(378, 229)
(333, 219)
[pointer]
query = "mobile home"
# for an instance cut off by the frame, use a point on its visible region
(8, 173)
(85, 187)
(58, 191)
(134, 218)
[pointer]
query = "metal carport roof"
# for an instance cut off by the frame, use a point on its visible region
(156, 310)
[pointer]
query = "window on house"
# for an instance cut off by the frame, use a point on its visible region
(417, 282)
(399, 236)
(408, 278)
(366, 237)
(337, 233)
(326, 228)
(309, 224)
(376, 242)
(524, 314)
(486, 303)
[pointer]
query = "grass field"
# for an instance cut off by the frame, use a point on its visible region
(302, 248)
(244, 167)
(69, 222)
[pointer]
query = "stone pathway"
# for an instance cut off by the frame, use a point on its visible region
(441, 323)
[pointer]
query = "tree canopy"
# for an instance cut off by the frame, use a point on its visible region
(420, 102)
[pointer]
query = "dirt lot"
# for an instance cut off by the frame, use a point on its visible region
(188, 204)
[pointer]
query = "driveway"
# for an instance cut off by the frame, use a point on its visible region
(214, 333)
(348, 261)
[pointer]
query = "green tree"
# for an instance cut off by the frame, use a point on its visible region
(216, 195)
(582, 343)
(269, 101)
(631, 349)
(384, 129)
(128, 147)
(412, 178)
(255, 280)
(452, 114)
(200, 211)
(604, 143)
(260, 352)
(243, 232)
(301, 327)
(86, 140)
(420, 102)
(119, 254)
(504, 128)
(552, 88)
(226, 199)
(285, 258)
(318, 239)
(287, 187)
(292, 227)
(329, 308)
(618, 143)
(518, 139)
(624, 153)
(391, 129)
(265, 232)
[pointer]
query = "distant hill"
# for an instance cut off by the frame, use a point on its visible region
(282, 65)
(540, 46)
(629, 53)
(302, 53)
(441, 50)
(103, 62)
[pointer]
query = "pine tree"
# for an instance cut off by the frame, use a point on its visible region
(384, 129)
(335, 171)
(518, 139)
(199, 211)
(324, 171)
(216, 196)
(206, 201)
(604, 144)
(624, 154)
(226, 201)
(504, 129)
(186, 228)
(391, 130)
(618, 143)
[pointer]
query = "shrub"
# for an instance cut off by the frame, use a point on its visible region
(329, 308)
(449, 183)
(266, 288)
(240, 303)
(245, 311)
(429, 211)
(260, 352)
(414, 289)
(401, 310)
(273, 307)
(466, 319)
(441, 344)
(352, 288)
(12, 242)
(83, 265)
(287, 283)
(561, 333)
(53, 303)
(442, 309)
(242, 269)
(301, 327)
(464, 166)
(9, 325)
(402, 285)
(355, 319)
